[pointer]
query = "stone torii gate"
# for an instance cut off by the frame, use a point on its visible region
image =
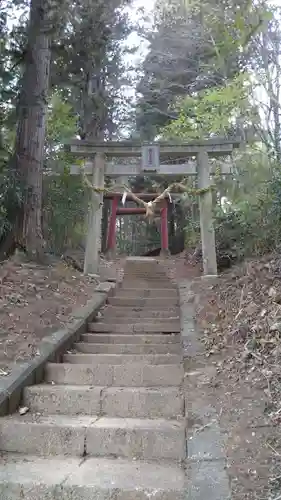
(155, 158)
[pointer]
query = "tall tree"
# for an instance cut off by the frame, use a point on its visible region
(266, 81)
(193, 47)
(87, 62)
(32, 107)
(88, 66)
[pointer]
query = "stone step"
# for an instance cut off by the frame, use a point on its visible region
(151, 272)
(144, 276)
(91, 348)
(148, 273)
(158, 327)
(142, 339)
(139, 312)
(140, 285)
(137, 321)
(148, 292)
(33, 478)
(122, 359)
(92, 436)
(130, 375)
(142, 302)
(129, 402)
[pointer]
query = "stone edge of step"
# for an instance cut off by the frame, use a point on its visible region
(99, 477)
(51, 348)
(63, 435)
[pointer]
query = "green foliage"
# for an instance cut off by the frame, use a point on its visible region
(10, 195)
(87, 65)
(64, 212)
(61, 125)
(252, 224)
(135, 236)
(211, 111)
(61, 128)
(253, 228)
(10, 199)
(194, 46)
(86, 72)
(64, 195)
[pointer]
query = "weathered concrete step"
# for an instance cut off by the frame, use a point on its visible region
(33, 478)
(121, 359)
(146, 292)
(158, 327)
(151, 271)
(131, 375)
(140, 285)
(148, 274)
(140, 302)
(130, 402)
(148, 277)
(91, 348)
(113, 338)
(146, 307)
(78, 436)
(145, 319)
(139, 312)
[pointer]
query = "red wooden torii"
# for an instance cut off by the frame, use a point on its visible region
(115, 197)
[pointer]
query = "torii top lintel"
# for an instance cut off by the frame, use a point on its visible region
(128, 149)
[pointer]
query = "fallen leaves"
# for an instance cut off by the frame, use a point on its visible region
(36, 300)
(23, 411)
(241, 315)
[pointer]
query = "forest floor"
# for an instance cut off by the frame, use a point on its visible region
(36, 300)
(239, 318)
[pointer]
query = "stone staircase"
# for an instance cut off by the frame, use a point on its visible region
(108, 423)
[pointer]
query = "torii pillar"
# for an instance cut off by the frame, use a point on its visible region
(206, 217)
(93, 242)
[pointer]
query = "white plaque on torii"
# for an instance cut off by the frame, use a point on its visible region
(150, 158)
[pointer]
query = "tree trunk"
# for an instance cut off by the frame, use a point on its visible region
(29, 147)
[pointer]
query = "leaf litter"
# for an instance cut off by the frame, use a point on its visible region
(36, 300)
(239, 317)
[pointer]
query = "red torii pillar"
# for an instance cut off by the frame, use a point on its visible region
(111, 239)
